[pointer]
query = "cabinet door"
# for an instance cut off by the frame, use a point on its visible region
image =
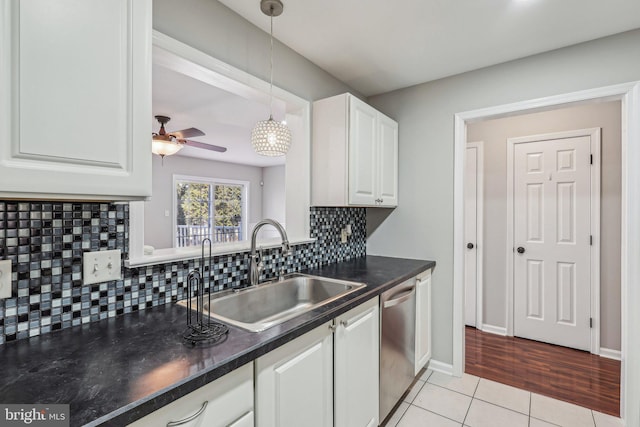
(423, 320)
(294, 383)
(387, 162)
(357, 365)
(76, 118)
(223, 402)
(245, 421)
(362, 153)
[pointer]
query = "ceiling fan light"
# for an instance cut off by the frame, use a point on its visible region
(165, 148)
(271, 138)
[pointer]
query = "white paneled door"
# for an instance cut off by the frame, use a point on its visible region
(472, 194)
(552, 258)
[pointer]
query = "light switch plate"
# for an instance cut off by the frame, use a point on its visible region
(101, 266)
(5, 279)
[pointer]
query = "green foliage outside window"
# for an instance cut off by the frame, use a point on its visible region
(197, 207)
(193, 203)
(228, 205)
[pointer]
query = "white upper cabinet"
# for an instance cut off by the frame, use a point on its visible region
(75, 79)
(388, 161)
(354, 154)
(363, 153)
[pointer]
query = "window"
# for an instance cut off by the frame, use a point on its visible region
(209, 208)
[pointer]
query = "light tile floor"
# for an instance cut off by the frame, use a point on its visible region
(440, 400)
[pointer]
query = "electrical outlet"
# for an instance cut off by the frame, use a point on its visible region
(5, 279)
(101, 266)
(343, 235)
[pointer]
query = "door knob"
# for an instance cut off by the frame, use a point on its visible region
(520, 250)
(469, 245)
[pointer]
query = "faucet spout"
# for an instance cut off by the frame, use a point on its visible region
(256, 262)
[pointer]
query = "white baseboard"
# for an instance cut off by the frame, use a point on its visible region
(498, 330)
(445, 368)
(611, 354)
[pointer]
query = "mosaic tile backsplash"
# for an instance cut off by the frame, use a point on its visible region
(45, 242)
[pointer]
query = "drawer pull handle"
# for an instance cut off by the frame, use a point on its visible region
(188, 419)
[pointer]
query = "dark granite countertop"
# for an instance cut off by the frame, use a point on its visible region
(115, 371)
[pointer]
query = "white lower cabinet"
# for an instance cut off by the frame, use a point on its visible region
(328, 376)
(356, 369)
(423, 320)
(227, 401)
(294, 383)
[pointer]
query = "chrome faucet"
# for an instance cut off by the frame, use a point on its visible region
(256, 255)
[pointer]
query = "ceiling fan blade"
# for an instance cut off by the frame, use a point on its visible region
(187, 133)
(205, 146)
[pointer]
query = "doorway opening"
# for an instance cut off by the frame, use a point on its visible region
(544, 196)
(628, 94)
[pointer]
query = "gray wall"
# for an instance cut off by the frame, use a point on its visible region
(422, 225)
(211, 27)
(494, 134)
(158, 228)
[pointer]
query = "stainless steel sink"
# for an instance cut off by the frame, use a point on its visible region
(260, 307)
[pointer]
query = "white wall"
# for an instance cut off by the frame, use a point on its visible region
(158, 228)
(495, 133)
(422, 225)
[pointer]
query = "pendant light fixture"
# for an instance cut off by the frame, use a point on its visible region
(269, 137)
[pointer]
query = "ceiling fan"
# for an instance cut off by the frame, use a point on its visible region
(166, 144)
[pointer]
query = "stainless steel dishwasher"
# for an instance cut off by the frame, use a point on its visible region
(397, 343)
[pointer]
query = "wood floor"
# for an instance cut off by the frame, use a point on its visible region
(562, 373)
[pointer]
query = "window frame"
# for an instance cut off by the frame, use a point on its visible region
(211, 181)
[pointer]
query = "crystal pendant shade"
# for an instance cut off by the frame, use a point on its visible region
(271, 138)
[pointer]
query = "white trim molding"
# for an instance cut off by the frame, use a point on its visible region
(437, 366)
(610, 354)
(629, 94)
(496, 330)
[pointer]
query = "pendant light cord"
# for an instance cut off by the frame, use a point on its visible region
(271, 68)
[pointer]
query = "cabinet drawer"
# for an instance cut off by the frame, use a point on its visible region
(223, 402)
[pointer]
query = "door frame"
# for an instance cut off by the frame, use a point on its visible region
(479, 145)
(629, 95)
(594, 249)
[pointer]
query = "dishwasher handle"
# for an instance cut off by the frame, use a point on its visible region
(399, 297)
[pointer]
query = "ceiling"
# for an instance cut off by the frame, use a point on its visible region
(377, 46)
(226, 118)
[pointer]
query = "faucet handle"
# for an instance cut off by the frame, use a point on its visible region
(286, 247)
(259, 260)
